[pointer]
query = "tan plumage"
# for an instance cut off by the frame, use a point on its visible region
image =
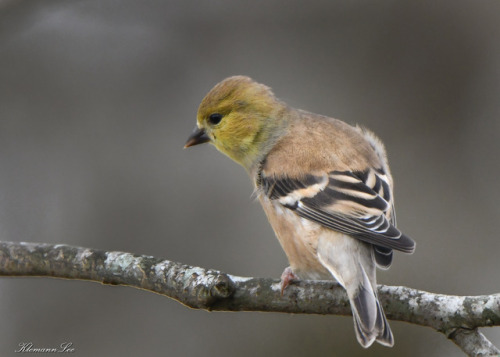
(325, 186)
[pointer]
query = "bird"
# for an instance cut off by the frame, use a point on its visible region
(324, 185)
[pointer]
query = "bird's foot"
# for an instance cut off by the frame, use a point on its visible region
(286, 278)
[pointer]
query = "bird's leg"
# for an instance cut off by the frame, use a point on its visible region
(287, 277)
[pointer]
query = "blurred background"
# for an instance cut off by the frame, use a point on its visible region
(97, 98)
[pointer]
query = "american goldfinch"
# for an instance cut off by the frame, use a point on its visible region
(325, 187)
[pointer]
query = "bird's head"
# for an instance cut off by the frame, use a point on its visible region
(239, 117)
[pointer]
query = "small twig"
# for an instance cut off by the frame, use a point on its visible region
(458, 317)
(473, 342)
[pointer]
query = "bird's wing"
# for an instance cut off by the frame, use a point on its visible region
(354, 203)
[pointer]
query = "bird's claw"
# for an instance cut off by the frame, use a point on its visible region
(286, 278)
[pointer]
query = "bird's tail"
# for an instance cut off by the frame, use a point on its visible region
(370, 323)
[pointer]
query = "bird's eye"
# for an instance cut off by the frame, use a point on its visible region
(215, 118)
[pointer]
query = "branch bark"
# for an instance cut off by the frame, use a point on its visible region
(458, 317)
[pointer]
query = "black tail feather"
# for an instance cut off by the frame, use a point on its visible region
(370, 323)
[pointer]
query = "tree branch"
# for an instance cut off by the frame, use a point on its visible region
(458, 317)
(473, 342)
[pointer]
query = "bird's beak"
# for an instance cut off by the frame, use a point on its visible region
(198, 136)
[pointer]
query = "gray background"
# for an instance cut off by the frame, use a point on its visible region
(98, 97)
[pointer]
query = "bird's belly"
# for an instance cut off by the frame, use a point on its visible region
(299, 239)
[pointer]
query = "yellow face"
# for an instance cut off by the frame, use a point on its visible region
(234, 116)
